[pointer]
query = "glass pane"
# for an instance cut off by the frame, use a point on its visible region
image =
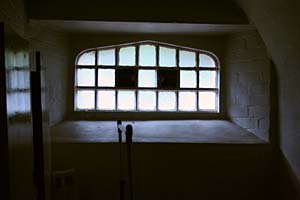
(127, 56)
(87, 58)
(167, 101)
(147, 100)
(20, 58)
(147, 55)
(207, 100)
(206, 61)
(18, 102)
(86, 99)
(147, 78)
(106, 100)
(107, 57)
(167, 57)
(85, 77)
(18, 79)
(106, 77)
(126, 100)
(187, 101)
(12, 105)
(207, 79)
(188, 79)
(187, 59)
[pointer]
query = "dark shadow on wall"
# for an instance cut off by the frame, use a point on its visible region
(285, 185)
(204, 11)
(274, 108)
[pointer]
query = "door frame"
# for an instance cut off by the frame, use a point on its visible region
(4, 157)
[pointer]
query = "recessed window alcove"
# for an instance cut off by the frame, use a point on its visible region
(107, 69)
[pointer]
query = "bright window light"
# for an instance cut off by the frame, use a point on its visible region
(187, 101)
(188, 79)
(126, 100)
(167, 57)
(167, 101)
(147, 100)
(18, 102)
(106, 100)
(18, 79)
(20, 58)
(147, 78)
(86, 77)
(207, 79)
(144, 76)
(12, 105)
(206, 61)
(107, 57)
(87, 58)
(106, 77)
(127, 56)
(207, 100)
(187, 59)
(85, 99)
(147, 55)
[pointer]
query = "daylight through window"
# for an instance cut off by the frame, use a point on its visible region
(148, 77)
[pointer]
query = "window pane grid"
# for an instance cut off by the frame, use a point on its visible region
(146, 88)
(85, 100)
(208, 64)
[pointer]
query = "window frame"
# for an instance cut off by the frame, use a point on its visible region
(137, 67)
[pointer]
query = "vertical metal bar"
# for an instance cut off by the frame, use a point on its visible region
(117, 63)
(178, 79)
(137, 56)
(197, 75)
(129, 134)
(122, 181)
(37, 123)
(157, 74)
(4, 159)
(96, 79)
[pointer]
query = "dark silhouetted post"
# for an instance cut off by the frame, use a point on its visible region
(129, 133)
(37, 123)
(122, 181)
(4, 180)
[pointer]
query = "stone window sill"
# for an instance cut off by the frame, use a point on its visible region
(161, 131)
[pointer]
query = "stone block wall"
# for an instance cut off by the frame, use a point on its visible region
(54, 49)
(248, 83)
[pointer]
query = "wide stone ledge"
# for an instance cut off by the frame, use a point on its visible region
(161, 131)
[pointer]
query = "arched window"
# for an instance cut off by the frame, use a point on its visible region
(146, 76)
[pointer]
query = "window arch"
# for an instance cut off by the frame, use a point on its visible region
(146, 76)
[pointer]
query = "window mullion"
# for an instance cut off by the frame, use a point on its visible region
(137, 54)
(157, 75)
(96, 79)
(197, 83)
(116, 65)
(178, 79)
